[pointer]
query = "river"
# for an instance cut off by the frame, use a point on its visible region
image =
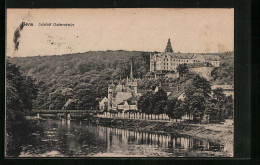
(69, 138)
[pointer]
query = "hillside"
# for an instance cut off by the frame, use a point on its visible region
(225, 73)
(84, 77)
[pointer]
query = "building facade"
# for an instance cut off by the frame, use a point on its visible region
(169, 61)
(103, 104)
(122, 92)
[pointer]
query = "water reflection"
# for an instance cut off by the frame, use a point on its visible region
(73, 138)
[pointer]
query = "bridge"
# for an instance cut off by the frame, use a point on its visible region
(60, 113)
(63, 111)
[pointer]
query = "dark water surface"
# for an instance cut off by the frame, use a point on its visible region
(65, 138)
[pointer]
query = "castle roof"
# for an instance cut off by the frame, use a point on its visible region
(190, 56)
(178, 55)
(211, 57)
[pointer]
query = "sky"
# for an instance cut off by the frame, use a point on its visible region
(190, 30)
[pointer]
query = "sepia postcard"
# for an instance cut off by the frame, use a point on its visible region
(119, 82)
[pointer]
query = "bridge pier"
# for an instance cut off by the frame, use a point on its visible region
(68, 116)
(59, 116)
(38, 115)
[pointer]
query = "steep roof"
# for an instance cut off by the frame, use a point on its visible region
(182, 55)
(175, 95)
(212, 57)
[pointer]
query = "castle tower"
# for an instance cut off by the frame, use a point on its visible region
(169, 46)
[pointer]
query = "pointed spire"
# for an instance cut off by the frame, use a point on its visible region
(131, 74)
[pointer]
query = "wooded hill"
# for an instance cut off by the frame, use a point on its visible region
(84, 77)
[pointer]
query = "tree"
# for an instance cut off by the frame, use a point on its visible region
(213, 111)
(218, 94)
(160, 95)
(160, 107)
(196, 95)
(144, 102)
(182, 69)
(199, 84)
(229, 108)
(170, 107)
(20, 93)
(152, 103)
(197, 105)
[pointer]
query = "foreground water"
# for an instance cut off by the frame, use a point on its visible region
(65, 138)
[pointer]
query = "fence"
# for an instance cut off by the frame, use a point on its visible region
(138, 115)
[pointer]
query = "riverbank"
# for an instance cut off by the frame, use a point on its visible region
(218, 133)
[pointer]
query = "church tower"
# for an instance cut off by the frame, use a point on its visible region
(169, 46)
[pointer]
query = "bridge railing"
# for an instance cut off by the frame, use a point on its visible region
(62, 111)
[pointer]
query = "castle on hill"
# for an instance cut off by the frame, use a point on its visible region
(161, 63)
